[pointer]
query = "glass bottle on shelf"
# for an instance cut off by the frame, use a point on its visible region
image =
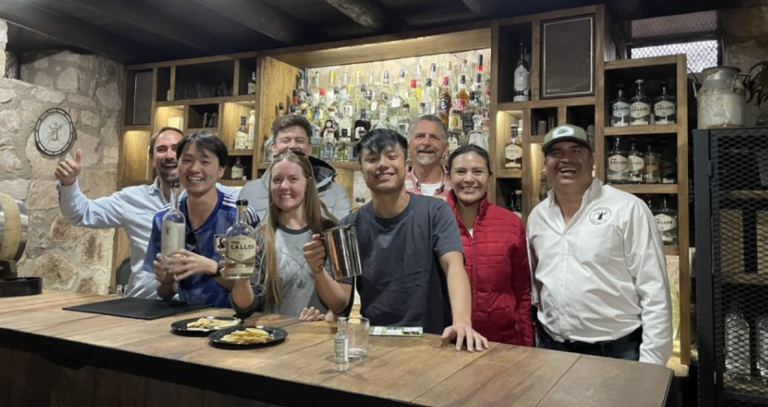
(618, 165)
(241, 245)
(317, 133)
(762, 348)
(522, 84)
(455, 122)
(636, 165)
(252, 84)
(620, 109)
(513, 152)
(666, 222)
(664, 107)
(342, 147)
(413, 99)
(173, 225)
(639, 106)
(445, 103)
(241, 136)
(329, 144)
(543, 185)
(477, 136)
(268, 143)
(237, 170)
(737, 350)
(453, 143)
(362, 125)
(461, 98)
(404, 120)
(427, 100)
(668, 168)
(251, 129)
(652, 173)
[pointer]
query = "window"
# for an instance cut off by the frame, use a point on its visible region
(694, 34)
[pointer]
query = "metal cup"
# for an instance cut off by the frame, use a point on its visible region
(341, 249)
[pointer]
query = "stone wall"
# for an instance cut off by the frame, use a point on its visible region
(745, 38)
(89, 88)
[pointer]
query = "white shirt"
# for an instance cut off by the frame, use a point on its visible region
(429, 189)
(131, 208)
(602, 275)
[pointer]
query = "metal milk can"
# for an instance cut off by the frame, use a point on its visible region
(722, 99)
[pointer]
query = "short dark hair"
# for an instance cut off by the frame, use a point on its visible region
(470, 148)
(153, 140)
(379, 140)
(207, 141)
(282, 123)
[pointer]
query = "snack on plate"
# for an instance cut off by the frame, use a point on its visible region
(211, 323)
(247, 336)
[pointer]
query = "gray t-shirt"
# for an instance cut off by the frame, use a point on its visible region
(297, 283)
(402, 282)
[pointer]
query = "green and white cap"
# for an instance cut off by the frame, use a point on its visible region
(565, 132)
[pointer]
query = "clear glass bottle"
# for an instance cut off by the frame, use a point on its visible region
(737, 350)
(664, 107)
(328, 151)
(762, 348)
(636, 165)
(237, 170)
(341, 347)
(241, 245)
(252, 84)
(618, 165)
(513, 152)
(241, 136)
(413, 99)
(446, 101)
(427, 100)
(173, 226)
(477, 136)
(342, 147)
(252, 128)
(666, 222)
(453, 143)
(317, 134)
(522, 84)
(652, 173)
(404, 120)
(362, 125)
(620, 109)
(639, 106)
(461, 98)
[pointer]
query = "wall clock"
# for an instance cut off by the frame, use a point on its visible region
(54, 132)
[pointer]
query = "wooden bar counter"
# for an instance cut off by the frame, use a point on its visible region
(49, 356)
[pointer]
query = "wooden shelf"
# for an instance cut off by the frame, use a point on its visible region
(744, 278)
(233, 182)
(748, 194)
(641, 130)
(647, 188)
(136, 127)
(339, 165)
(241, 153)
(547, 103)
(242, 99)
(210, 129)
(509, 173)
(671, 250)
(537, 139)
(641, 63)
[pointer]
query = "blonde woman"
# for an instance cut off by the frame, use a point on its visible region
(284, 283)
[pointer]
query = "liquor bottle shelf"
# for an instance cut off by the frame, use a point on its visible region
(233, 182)
(339, 165)
(641, 130)
(210, 129)
(641, 63)
(241, 99)
(537, 139)
(647, 188)
(746, 278)
(539, 104)
(509, 173)
(241, 153)
(136, 127)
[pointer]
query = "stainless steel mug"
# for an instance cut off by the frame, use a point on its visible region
(342, 251)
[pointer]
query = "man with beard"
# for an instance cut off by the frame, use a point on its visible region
(131, 208)
(426, 147)
(599, 272)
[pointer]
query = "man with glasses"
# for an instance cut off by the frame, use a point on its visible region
(292, 133)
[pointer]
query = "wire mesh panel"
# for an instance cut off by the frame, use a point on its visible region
(699, 54)
(739, 205)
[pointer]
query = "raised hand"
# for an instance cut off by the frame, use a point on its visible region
(314, 253)
(67, 171)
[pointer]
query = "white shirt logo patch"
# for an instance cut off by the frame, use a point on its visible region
(600, 216)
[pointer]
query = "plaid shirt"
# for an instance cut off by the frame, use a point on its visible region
(413, 185)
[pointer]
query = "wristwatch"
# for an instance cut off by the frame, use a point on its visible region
(219, 267)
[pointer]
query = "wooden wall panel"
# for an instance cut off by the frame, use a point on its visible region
(134, 157)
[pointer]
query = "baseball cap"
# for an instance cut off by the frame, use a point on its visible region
(565, 132)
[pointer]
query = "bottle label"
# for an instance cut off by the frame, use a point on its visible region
(513, 153)
(348, 110)
(241, 248)
(173, 237)
(665, 223)
(664, 110)
(359, 132)
(640, 110)
(241, 140)
(636, 163)
(237, 172)
(521, 80)
(340, 350)
(620, 109)
(617, 163)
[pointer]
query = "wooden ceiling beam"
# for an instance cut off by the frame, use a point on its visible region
(259, 17)
(146, 19)
(366, 13)
(68, 31)
(483, 8)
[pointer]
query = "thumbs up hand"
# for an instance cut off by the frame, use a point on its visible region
(67, 171)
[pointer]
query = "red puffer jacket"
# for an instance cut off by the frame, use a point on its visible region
(496, 260)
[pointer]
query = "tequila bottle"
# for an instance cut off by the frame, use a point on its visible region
(620, 109)
(636, 165)
(652, 173)
(252, 84)
(237, 170)
(666, 222)
(664, 108)
(427, 100)
(477, 136)
(173, 226)
(241, 245)
(453, 143)
(342, 147)
(639, 107)
(317, 129)
(737, 349)
(618, 165)
(461, 98)
(341, 347)
(241, 136)
(396, 101)
(522, 85)
(513, 152)
(362, 125)
(252, 128)
(404, 120)
(413, 99)
(445, 104)
(329, 147)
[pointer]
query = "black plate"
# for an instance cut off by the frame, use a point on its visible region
(180, 327)
(277, 336)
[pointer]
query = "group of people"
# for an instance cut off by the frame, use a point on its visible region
(435, 252)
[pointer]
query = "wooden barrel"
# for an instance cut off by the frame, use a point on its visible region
(14, 226)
